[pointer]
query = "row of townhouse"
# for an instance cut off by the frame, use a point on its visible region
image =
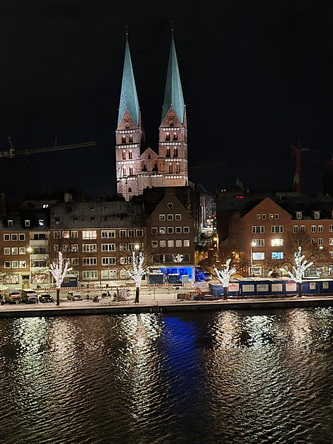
(98, 238)
(266, 231)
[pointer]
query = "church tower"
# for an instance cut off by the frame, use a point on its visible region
(128, 132)
(173, 128)
(167, 166)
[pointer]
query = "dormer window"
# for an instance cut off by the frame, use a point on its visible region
(316, 214)
(27, 223)
(299, 215)
(10, 222)
(41, 222)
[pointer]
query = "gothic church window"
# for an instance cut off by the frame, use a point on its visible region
(167, 136)
(168, 152)
(175, 152)
(123, 139)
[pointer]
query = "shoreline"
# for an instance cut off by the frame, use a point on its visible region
(88, 308)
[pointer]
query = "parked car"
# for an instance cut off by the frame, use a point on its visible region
(74, 296)
(12, 296)
(29, 296)
(45, 297)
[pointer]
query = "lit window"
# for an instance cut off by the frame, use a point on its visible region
(6, 250)
(295, 228)
(154, 244)
(162, 230)
(258, 256)
(179, 243)
(277, 254)
(171, 243)
(186, 243)
(258, 242)
(89, 234)
(277, 242)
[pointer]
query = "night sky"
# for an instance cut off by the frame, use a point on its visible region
(257, 77)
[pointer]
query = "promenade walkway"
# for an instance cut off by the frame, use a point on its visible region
(162, 300)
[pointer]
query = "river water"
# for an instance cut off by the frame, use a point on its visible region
(200, 377)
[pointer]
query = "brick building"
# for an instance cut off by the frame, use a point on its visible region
(265, 231)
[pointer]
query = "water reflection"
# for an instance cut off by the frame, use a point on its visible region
(210, 377)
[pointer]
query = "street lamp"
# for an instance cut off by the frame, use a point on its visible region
(30, 250)
(251, 261)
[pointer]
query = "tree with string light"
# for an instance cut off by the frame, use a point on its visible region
(137, 272)
(224, 277)
(301, 264)
(59, 269)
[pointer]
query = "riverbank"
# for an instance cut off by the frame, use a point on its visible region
(164, 303)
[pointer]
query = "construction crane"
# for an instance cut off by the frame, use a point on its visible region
(298, 169)
(13, 153)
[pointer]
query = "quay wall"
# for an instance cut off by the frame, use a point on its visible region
(21, 310)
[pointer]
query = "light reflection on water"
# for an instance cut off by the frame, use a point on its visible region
(210, 377)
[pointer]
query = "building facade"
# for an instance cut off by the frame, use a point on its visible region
(265, 232)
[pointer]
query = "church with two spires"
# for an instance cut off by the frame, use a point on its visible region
(138, 169)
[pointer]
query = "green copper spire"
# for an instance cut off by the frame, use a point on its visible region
(173, 95)
(128, 96)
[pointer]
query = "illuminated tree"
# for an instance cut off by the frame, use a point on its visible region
(301, 264)
(58, 270)
(137, 272)
(224, 277)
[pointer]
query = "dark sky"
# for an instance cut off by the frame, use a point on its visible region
(257, 77)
